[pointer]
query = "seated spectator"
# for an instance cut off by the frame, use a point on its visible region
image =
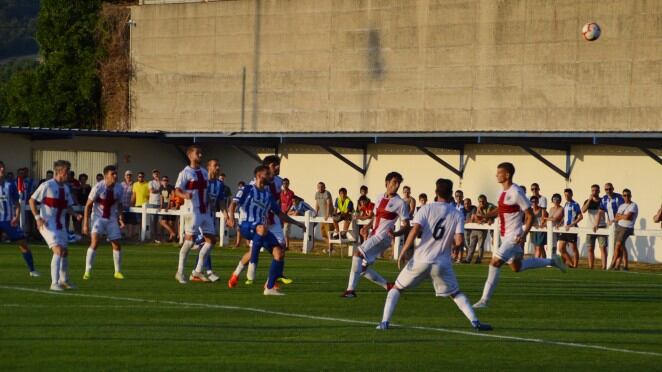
(300, 207)
(478, 236)
(596, 219)
(469, 211)
(366, 211)
(166, 193)
(625, 218)
(343, 213)
(538, 238)
(572, 213)
(363, 191)
(422, 200)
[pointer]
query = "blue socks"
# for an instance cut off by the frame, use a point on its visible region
(27, 256)
(256, 246)
(208, 262)
(275, 271)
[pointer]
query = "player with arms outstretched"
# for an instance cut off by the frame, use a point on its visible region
(512, 203)
(56, 201)
(105, 202)
(441, 227)
(388, 209)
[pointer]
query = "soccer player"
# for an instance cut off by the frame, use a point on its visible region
(56, 200)
(254, 202)
(192, 186)
(512, 203)
(214, 190)
(105, 202)
(388, 209)
(9, 215)
(440, 227)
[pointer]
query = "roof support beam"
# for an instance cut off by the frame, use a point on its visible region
(653, 155)
(249, 153)
(456, 171)
(361, 169)
(539, 156)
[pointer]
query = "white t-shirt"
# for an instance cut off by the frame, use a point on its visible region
(154, 196)
(194, 181)
(106, 200)
(511, 204)
(55, 198)
(542, 202)
(439, 222)
(387, 210)
(628, 208)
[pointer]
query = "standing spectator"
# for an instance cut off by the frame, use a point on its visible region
(459, 201)
(130, 220)
(469, 212)
(25, 184)
(478, 236)
(538, 238)
(74, 185)
(343, 209)
(625, 218)
(166, 192)
(140, 191)
(610, 202)
(99, 177)
(422, 200)
(555, 215)
(154, 187)
(286, 203)
(658, 217)
(49, 175)
(83, 193)
(323, 208)
(535, 191)
(411, 202)
(572, 213)
(595, 219)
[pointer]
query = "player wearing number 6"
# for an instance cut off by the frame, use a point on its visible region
(441, 228)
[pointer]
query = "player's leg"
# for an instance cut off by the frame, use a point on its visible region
(277, 266)
(371, 252)
(27, 256)
(491, 282)
(409, 277)
(56, 263)
(354, 275)
(208, 228)
(91, 255)
(256, 245)
(191, 229)
(278, 234)
(117, 259)
(64, 268)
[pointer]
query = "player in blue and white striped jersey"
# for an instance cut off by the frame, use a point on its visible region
(255, 201)
(9, 214)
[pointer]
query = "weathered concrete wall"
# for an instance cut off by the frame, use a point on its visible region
(397, 65)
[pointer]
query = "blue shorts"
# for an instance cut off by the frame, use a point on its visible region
(270, 241)
(14, 233)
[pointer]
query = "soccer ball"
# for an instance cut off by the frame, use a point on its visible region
(591, 31)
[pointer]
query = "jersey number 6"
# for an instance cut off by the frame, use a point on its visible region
(439, 229)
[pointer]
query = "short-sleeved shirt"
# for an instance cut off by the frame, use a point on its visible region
(141, 190)
(611, 205)
(106, 200)
(166, 192)
(215, 189)
(25, 188)
(127, 192)
(254, 204)
(387, 211)
(571, 210)
(301, 208)
(512, 203)
(439, 222)
(542, 202)
(8, 200)
(321, 198)
(286, 200)
(469, 213)
(55, 198)
(625, 209)
(593, 213)
(154, 197)
(194, 181)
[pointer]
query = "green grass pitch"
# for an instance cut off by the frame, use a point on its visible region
(543, 319)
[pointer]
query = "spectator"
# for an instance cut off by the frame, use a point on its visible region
(459, 201)
(535, 191)
(85, 189)
(363, 191)
(323, 208)
(130, 219)
(595, 220)
(366, 211)
(286, 203)
(422, 200)
(99, 177)
(523, 189)
(478, 236)
(538, 238)
(411, 202)
(625, 218)
(25, 184)
(555, 215)
(140, 191)
(74, 185)
(572, 213)
(49, 175)
(343, 213)
(658, 217)
(610, 202)
(300, 207)
(166, 193)
(469, 212)
(10, 177)
(154, 187)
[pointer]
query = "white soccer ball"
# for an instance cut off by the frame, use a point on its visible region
(591, 31)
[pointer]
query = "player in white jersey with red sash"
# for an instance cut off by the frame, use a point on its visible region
(441, 228)
(192, 186)
(56, 201)
(388, 209)
(512, 204)
(105, 202)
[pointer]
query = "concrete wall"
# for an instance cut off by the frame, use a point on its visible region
(397, 65)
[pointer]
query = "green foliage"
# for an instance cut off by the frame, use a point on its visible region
(18, 24)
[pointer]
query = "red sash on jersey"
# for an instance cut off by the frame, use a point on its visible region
(59, 203)
(382, 213)
(201, 185)
(107, 203)
(503, 209)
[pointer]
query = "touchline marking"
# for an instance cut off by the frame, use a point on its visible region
(331, 319)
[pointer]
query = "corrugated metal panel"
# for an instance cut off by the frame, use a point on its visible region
(90, 162)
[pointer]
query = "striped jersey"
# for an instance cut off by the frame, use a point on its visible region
(55, 198)
(194, 181)
(275, 186)
(215, 190)
(512, 203)
(611, 205)
(387, 210)
(571, 210)
(254, 204)
(8, 200)
(25, 187)
(106, 200)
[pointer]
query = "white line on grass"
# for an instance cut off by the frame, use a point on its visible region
(331, 319)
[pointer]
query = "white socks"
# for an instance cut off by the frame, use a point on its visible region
(463, 303)
(391, 301)
(204, 251)
(117, 260)
(239, 269)
(490, 283)
(375, 277)
(56, 262)
(250, 274)
(89, 259)
(64, 269)
(535, 263)
(183, 254)
(355, 273)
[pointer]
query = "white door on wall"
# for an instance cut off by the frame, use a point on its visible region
(90, 162)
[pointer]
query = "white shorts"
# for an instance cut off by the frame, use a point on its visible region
(509, 251)
(277, 230)
(55, 237)
(109, 228)
(196, 221)
(441, 273)
(374, 246)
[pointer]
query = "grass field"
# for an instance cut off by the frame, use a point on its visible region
(543, 319)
